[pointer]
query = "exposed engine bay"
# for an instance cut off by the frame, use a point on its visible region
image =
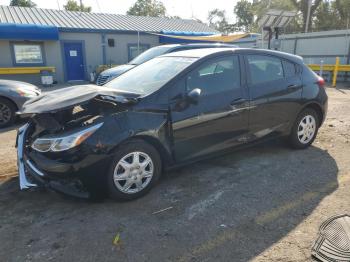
(71, 118)
(71, 108)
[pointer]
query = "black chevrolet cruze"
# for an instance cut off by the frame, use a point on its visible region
(174, 109)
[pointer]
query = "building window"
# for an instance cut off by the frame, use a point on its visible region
(134, 50)
(28, 54)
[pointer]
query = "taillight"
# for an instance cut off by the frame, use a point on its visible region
(320, 82)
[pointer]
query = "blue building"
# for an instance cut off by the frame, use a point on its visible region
(73, 44)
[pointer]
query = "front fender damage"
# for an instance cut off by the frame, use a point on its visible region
(151, 126)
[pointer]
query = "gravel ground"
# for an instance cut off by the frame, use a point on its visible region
(259, 204)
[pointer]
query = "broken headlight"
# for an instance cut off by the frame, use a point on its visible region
(62, 143)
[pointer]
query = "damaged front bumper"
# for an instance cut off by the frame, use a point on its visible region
(30, 176)
(24, 183)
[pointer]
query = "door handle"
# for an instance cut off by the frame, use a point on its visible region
(292, 87)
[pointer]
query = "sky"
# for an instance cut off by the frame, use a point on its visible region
(183, 8)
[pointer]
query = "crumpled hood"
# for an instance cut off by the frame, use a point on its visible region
(71, 96)
(118, 70)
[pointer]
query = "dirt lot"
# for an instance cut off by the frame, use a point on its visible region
(260, 204)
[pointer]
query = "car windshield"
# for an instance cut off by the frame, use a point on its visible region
(150, 76)
(149, 54)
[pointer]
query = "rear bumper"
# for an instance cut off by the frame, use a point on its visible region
(60, 177)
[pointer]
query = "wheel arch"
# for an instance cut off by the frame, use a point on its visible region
(318, 109)
(164, 153)
(10, 100)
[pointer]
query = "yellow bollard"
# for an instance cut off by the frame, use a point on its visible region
(335, 72)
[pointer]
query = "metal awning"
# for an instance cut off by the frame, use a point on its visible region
(193, 37)
(28, 32)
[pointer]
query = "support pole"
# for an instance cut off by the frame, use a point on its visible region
(103, 43)
(309, 4)
(138, 42)
(335, 72)
(276, 36)
(270, 36)
(295, 45)
(321, 69)
(348, 56)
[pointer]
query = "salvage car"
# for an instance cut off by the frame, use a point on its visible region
(171, 110)
(13, 94)
(111, 73)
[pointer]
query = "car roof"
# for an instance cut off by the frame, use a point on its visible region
(204, 45)
(203, 52)
(208, 44)
(198, 53)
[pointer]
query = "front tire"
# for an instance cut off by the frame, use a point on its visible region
(305, 129)
(135, 169)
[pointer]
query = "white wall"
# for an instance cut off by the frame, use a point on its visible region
(119, 53)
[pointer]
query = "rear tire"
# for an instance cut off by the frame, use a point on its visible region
(7, 113)
(305, 129)
(135, 169)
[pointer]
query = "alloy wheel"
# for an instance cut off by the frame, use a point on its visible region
(306, 129)
(133, 172)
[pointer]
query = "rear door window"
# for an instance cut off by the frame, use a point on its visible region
(264, 68)
(290, 69)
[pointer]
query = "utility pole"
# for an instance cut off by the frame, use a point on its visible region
(309, 4)
(138, 42)
(81, 5)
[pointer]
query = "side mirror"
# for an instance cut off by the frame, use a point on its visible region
(194, 94)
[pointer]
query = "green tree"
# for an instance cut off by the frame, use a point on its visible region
(326, 17)
(217, 20)
(23, 3)
(153, 8)
(174, 17)
(245, 15)
(342, 8)
(74, 6)
(302, 6)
